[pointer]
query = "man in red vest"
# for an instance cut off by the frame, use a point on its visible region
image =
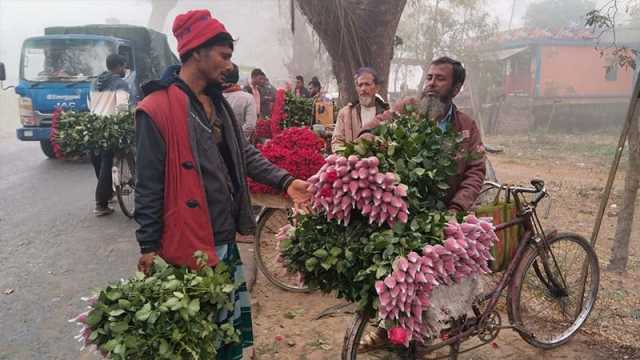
(192, 162)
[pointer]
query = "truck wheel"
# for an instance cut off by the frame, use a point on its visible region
(47, 149)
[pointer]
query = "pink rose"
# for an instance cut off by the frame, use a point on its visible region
(398, 336)
(332, 176)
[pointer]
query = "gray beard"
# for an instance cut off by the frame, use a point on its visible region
(432, 107)
(366, 101)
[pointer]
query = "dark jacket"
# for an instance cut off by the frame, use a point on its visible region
(108, 81)
(241, 160)
(267, 98)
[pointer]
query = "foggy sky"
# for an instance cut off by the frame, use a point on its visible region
(255, 23)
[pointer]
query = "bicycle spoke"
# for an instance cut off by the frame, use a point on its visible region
(549, 305)
(270, 251)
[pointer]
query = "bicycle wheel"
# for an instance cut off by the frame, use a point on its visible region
(358, 346)
(267, 251)
(125, 182)
(547, 298)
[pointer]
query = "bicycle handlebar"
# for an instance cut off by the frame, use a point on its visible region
(538, 189)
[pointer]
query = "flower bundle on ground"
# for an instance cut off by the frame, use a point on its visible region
(170, 314)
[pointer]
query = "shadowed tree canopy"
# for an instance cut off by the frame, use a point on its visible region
(555, 14)
(355, 33)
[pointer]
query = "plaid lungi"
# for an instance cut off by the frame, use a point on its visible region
(241, 314)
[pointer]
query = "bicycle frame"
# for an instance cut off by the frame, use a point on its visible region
(527, 218)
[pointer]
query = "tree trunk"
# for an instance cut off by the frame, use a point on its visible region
(159, 11)
(620, 248)
(355, 33)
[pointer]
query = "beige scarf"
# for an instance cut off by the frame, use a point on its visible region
(256, 96)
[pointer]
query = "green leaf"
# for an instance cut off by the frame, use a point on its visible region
(443, 186)
(311, 264)
(110, 345)
(119, 327)
(94, 317)
(144, 312)
(325, 265)
(419, 171)
(321, 253)
(113, 295)
(164, 347)
(117, 312)
(228, 288)
(360, 149)
(381, 272)
(194, 306)
(335, 251)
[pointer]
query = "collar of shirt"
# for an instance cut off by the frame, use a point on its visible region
(443, 123)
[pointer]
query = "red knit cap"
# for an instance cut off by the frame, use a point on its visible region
(195, 27)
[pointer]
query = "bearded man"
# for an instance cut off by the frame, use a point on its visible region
(352, 117)
(445, 78)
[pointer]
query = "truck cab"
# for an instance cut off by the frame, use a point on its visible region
(56, 72)
(58, 68)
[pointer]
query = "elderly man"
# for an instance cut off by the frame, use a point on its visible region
(352, 117)
(191, 166)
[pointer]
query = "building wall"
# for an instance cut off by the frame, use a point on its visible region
(580, 71)
(519, 78)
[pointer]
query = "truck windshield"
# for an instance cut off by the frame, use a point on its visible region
(63, 59)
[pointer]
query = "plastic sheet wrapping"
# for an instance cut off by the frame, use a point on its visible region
(453, 301)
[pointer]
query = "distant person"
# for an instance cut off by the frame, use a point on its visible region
(300, 89)
(109, 94)
(314, 87)
(242, 103)
(262, 91)
(352, 117)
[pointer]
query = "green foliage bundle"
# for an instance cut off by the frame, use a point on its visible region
(350, 259)
(170, 314)
(298, 110)
(76, 133)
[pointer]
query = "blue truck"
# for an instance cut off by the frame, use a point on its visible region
(56, 70)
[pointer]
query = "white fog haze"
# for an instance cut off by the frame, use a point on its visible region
(395, 161)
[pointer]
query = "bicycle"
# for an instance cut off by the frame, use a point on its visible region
(274, 214)
(124, 181)
(546, 305)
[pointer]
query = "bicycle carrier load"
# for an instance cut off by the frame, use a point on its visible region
(380, 234)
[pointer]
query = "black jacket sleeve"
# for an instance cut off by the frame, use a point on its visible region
(149, 199)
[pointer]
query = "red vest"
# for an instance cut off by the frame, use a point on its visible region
(185, 213)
